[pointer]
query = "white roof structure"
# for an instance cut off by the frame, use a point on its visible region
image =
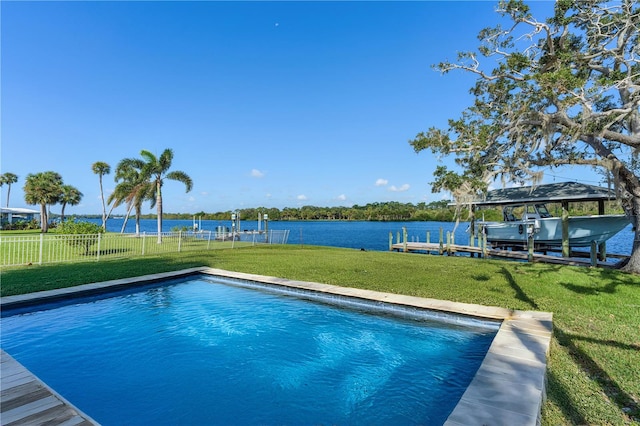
(14, 210)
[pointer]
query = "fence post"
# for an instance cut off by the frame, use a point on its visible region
(179, 241)
(209, 241)
(144, 234)
(441, 244)
(98, 252)
(41, 248)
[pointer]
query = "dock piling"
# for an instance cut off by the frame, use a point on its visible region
(404, 239)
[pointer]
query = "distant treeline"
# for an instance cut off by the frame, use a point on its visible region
(385, 211)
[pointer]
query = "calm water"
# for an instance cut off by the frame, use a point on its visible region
(197, 352)
(357, 235)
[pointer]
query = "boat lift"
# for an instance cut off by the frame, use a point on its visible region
(532, 198)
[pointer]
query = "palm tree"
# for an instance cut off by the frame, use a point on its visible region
(9, 179)
(156, 170)
(43, 188)
(70, 195)
(132, 189)
(100, 168)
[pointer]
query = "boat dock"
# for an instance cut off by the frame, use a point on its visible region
(576, 259)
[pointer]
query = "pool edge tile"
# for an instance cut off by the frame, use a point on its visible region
(521, 358)
(469, 309)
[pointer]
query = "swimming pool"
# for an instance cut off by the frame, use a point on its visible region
(356, 370)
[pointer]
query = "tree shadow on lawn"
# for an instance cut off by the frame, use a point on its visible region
(561, 396)
(610, 279)
(611, 282)
(590, 367)
(557, 391)
(520, 293)
(107, 252)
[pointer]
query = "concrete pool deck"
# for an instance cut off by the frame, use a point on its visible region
(508, 388)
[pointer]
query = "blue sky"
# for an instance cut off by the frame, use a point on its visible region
(274, 104)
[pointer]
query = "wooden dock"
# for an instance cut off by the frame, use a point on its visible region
(576, 259)
(25, 400)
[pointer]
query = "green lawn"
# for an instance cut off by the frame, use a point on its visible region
(593, 375)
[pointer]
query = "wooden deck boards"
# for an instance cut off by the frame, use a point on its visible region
(25, 400)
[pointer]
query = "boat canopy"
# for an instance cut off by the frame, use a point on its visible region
(548, 193)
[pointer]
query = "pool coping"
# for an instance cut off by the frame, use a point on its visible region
(507, 389)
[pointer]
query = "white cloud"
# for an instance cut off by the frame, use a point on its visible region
(342, 197)
(301, 197)
(256, 173)
(402, 188)
(381, 182)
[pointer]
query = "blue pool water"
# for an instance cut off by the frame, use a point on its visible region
(199, 351)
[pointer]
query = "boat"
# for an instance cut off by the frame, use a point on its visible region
(546, 230)
(525, 214)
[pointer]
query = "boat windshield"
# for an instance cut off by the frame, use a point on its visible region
(542, 210)
(525, 212)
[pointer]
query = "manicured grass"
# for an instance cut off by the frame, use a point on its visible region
(593, 374)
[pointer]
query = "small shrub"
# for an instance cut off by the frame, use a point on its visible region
(32, 224)
(21, 225)
(71, 227)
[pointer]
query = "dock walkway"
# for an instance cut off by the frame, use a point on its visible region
(452, 249)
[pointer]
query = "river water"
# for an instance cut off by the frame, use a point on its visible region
(357, 234)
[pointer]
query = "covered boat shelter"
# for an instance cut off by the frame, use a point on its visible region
(562, 193)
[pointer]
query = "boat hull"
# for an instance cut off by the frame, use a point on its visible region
(583, 230)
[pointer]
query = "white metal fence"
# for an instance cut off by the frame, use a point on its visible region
(54, 248)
